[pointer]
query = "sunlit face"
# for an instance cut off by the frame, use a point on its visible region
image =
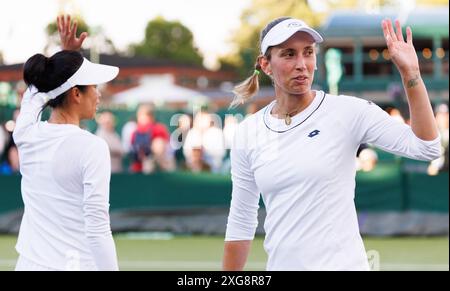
(90, 100)
(292, 64)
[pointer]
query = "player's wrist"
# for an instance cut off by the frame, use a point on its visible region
(409, 74)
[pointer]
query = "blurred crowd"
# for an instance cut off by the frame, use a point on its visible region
(367, 157)
(199, 143)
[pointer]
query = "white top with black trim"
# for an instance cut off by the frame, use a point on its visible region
(65, 189)
(305, 173)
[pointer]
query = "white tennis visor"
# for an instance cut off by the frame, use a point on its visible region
(284, 30)
(88, 74)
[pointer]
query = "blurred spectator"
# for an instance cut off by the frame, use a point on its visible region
(147, 132)
(206, 135)
(106, 131)
(127, 132)
(163, 155)
(3, 139)
(229, 128)
(184, 125)
(442, 121)
(9, 160)
(178, 137)
(445, 166)
(395, 113)
(194, 139)
(196, 163)
(13, 158)
(366, 160)
(396, 93)
(214, 147)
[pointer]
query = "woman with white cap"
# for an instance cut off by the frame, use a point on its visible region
(299, 153)
(65, 170)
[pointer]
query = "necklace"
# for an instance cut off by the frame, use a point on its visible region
(269, 110)
(288, 116)
(288, 119)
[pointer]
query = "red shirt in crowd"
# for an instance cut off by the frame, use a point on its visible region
(157, 130)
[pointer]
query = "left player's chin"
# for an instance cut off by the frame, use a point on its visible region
(298, 90)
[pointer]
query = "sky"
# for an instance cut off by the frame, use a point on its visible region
(23, 22)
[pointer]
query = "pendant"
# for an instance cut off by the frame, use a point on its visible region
(287, 120)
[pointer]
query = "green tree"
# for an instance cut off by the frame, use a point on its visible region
(168, 40)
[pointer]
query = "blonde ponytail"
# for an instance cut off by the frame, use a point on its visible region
(245, 90)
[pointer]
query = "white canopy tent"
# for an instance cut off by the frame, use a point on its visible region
(158, 89)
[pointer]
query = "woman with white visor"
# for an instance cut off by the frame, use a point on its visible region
(299, 153)
(65, 170)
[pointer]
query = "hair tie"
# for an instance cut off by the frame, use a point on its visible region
(256, 72)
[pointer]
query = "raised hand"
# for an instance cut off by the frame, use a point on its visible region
(68, 33)
(402, 53)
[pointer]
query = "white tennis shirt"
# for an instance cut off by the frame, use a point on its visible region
(65, 189)
(305, 173)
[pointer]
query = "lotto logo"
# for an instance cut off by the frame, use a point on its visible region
(313, 133)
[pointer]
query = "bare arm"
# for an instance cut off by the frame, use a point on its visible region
(423, 123)
(405, 58)
(235, 255)
(68, 33)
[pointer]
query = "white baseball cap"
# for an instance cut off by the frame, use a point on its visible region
(88, 74)
(284, 30)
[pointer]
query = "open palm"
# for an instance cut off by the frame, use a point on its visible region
(68, 33)
(402, 53)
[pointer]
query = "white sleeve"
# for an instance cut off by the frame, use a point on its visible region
(96, 177)
(376, 127)
(243, 216)
(30, 107)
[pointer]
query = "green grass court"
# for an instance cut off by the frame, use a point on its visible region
(189, 253)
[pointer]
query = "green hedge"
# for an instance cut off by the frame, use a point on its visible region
(386, 188)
